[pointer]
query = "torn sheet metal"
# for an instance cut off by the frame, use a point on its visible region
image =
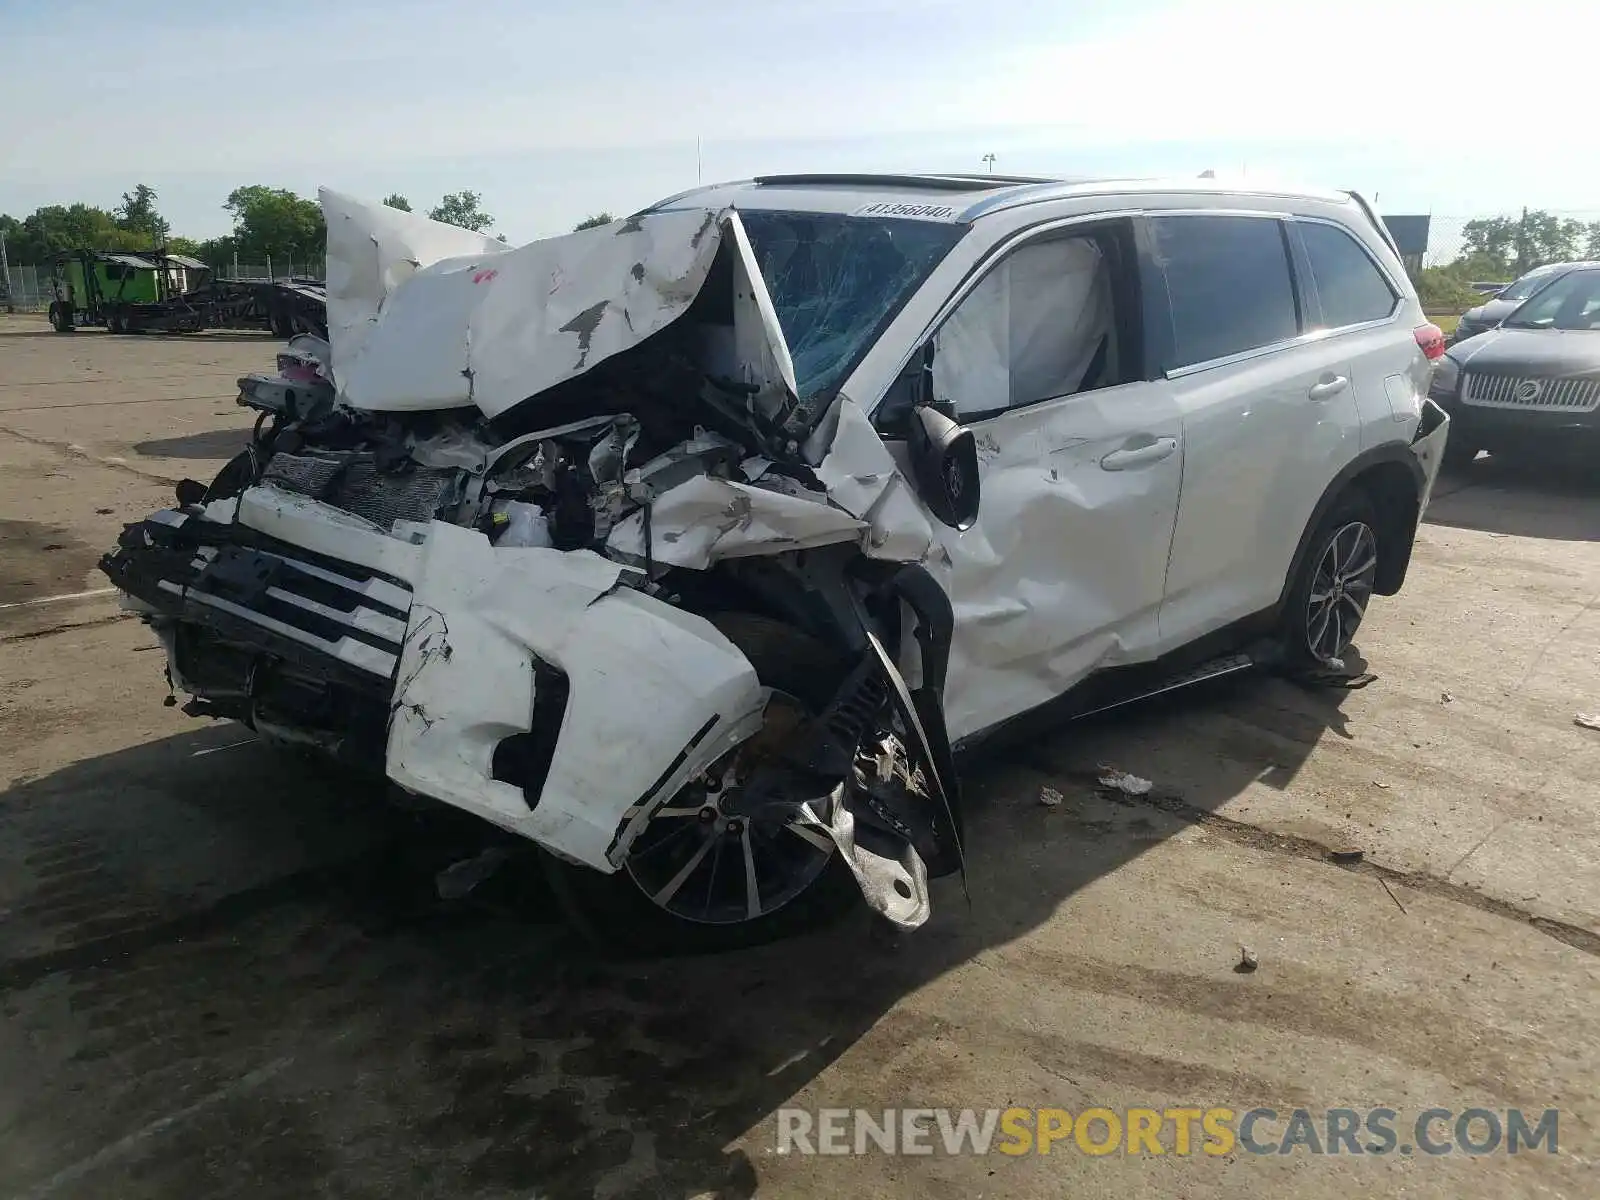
(704, 520)
(372, 250)
(863, 478)
(487, 325)
(423, 316)
(657, 694)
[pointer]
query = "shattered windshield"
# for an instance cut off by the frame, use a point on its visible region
(836, 280)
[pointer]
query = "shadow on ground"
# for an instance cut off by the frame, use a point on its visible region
(278, 973)
(213, 444)
(1521, 497)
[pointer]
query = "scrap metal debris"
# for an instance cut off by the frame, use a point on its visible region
(1347, 856)
(1122, 781)
(1587, 720)
(1247, 961)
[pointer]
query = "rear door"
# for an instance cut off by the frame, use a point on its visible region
(1269, 413)
(1356, 305)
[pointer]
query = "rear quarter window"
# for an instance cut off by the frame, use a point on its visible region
(1351, 287)
(1229, 284)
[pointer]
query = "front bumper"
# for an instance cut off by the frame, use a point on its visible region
(1487, 427)
(421, 652)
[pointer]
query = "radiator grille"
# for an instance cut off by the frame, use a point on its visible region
(352, 483)
(1535, 395)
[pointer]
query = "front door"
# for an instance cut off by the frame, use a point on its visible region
(1081, 462)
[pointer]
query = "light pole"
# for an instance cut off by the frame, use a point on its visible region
(5, 270)
(989, 160)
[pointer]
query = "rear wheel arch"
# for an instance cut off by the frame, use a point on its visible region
(1392, 479)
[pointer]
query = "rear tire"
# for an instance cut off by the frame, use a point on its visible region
(61, 317)
(615, 913)
(1335, 583)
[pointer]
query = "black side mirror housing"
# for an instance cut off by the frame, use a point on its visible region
(944, 458)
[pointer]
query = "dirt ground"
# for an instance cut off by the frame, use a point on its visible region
(224, 971)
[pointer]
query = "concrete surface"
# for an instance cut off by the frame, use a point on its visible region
(223, 971)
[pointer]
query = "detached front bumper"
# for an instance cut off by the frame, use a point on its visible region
(428, 653)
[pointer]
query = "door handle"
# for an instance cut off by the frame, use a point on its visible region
(1130, 457)
(1327, 387)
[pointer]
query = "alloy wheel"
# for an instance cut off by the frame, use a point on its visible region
(708, 866)
(1340, 589)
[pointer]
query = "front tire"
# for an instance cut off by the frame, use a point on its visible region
(666, 899)
(1335, 584)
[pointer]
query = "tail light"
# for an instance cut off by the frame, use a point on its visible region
(1431, 340)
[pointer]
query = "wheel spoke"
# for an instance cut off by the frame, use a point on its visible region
(752, 887)
(1317, 627)
(820, 840)
(675, 812)
(1367, 563)
(1357, 609)
(677, 881)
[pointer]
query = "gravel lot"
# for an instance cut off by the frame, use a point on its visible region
(224, 971)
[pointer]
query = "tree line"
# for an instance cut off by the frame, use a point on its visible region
(268, 222)
(1499, 249)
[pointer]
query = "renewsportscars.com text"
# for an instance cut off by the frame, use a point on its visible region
(1210, 1131)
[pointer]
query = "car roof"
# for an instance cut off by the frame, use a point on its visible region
(954, 198)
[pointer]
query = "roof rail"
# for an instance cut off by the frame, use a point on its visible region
(943, 183)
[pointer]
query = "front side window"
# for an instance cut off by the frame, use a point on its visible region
(1229, 284)
(1039, 325)
(836, 280)
(1351, 287)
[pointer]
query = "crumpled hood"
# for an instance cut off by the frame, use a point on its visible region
(425, 316)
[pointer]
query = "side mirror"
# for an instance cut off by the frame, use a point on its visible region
(944, 458)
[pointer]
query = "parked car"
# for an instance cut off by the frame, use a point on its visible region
(691, 546)
(1486, 316)
(1531, 386)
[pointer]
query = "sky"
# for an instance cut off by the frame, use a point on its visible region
(555, 109)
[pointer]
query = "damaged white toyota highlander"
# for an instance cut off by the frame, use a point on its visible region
(691, 547)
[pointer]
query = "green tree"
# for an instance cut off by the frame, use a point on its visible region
(594, 221)
(274, 221)
(396, 200)
(1509, 246)
(217, 252)
(183, 245)
(137, 214)
(463, 209)
(56, 227)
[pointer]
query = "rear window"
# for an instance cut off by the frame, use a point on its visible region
(1229, 283)
(1351, 287)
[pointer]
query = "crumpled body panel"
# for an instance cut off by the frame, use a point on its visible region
(494, 326)
(656, 694)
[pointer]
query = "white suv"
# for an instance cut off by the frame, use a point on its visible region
(689, 547)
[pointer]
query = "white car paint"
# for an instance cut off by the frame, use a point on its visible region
(1115, 524)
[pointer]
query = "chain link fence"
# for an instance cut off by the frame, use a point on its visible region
(1579, 234)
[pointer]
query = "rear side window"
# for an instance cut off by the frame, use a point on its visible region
(1229, 283)
(1351, 287)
